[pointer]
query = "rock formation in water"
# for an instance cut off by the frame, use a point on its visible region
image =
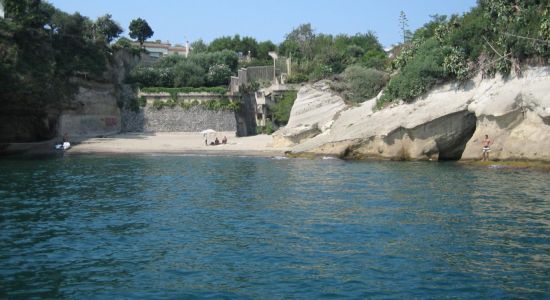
(447, 123)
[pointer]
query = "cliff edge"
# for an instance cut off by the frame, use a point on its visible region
(448, 123)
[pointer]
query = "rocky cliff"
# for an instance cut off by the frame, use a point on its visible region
(447, 123)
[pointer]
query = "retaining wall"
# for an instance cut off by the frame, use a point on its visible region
(177, 119)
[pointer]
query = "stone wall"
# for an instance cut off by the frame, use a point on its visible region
(177, 119)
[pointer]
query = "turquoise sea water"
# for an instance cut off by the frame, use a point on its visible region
(176, 227)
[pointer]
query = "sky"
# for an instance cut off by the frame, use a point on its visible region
(179, 20)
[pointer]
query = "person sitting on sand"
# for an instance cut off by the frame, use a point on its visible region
(216, 141)
(224, 140)
(486, 143)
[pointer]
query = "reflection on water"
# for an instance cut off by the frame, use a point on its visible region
(181, 226)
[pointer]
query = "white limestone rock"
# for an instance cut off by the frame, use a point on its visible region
(447, 123)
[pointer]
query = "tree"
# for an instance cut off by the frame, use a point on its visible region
(29, 13)
(140, 30)
(222, 43)
(199, 46)
(303, 37)
(106, 29)
(248, 44)
(404, 26)
(264, 48)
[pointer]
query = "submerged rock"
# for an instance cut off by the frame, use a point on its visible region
(447, 123)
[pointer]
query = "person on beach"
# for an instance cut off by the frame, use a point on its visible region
(486, 143)
(206, 141)
(216, 141)
(224, 140)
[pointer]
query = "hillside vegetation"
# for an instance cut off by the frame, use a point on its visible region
(42, 48)
(497, 36)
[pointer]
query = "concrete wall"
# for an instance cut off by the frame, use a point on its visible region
(177, 119)
(250, 74)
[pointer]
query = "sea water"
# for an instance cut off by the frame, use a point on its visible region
(157, 227)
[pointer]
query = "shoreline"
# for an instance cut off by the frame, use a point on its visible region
(250, 153)
(174, 143)
(192, 144)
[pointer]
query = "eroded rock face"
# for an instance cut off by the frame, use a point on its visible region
(312, 113)
(515, 114)
(448, 123)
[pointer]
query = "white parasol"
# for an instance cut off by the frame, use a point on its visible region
(208, 131)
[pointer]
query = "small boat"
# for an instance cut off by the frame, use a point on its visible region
(63, 146)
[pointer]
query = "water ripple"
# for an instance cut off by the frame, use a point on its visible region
(226, 227)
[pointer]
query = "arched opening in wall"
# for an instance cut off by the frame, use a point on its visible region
(452, 147)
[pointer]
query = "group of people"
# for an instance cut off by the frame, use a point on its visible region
(216, 141)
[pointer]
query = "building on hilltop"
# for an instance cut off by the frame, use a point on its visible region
(159, 49)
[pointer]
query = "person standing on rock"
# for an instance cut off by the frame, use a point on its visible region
(486, 143)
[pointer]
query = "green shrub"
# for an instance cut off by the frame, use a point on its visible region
(374, 59)
(158, 104)
(187, 73)
(218, 74)
(297, 78)
(421, 72)
(144, 76)
(360, 83)
(171, 103)
(142, 101)
(320, 72)
(269, 128)
(234, 106)
(281, 109)
(199, 69)
(456, 64)
(125, 43)
(382, 101)
(186, 90)
(186, 105)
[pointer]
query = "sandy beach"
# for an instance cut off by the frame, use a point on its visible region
(178, 142)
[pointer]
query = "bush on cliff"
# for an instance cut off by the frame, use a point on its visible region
(497, 36)
(281, 109)
(358, 83)
(420, 74)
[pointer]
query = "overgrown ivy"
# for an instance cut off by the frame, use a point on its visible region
(186, 90)
(214, 105)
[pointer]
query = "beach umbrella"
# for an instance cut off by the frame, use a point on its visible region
(208, 131)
